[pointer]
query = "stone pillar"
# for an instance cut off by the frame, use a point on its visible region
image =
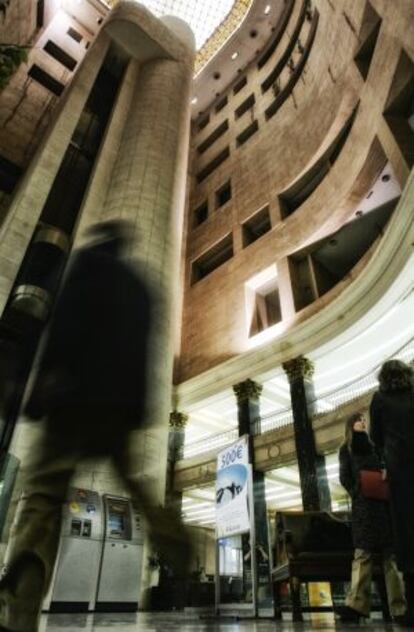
(248, 412)
(248, 409)
(176, 437)
(147, 188)
(312, 470)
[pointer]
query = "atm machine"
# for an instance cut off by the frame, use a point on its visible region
(121, 565)
(73, 586)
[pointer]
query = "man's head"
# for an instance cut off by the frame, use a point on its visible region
(112, 236)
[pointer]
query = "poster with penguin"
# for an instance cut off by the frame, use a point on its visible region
(232, 489)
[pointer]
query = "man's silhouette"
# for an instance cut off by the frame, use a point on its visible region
(90, 388)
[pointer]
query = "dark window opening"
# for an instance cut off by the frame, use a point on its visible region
(338, 144)
(320, 268)
(46, 80)
(399, 109)
(60, 55)
(40, 13)
(211, 260)
(219, 131)
(368, 35)
(200, 214)
(282, 24)
(281, 63)
(256, 226)
(212, 166)
(247, 133)
(221, 104)
(266, 311)
(223, 195)
(239, 85)
(68, 189)
(300, 191)
(203, 122)
(74, 34)
(9, 175)
(246, 105)
(282, 95)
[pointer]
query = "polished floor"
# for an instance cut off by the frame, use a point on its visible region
(166, 622)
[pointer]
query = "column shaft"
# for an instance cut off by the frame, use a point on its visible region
(248, 412)
(312, 471)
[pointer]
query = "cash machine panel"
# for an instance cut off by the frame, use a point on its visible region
(77, 568)
(119, 580)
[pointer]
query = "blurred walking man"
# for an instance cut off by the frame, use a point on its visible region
(90, 389)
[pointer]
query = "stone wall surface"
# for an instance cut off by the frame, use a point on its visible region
(215, 324)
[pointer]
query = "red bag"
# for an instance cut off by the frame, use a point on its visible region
(373, 486)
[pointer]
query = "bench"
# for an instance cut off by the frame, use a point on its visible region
(314, 546)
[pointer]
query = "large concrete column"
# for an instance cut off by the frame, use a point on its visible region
(147, 187)
(312, 470)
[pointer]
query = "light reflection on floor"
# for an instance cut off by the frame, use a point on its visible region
(165, 622)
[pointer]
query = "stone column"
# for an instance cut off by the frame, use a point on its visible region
(248, 413)
(147, 188)
(176, 437)
(312, 470)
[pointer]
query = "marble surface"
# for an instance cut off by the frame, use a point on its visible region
(166, 622)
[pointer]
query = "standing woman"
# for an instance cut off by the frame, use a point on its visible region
(371, 527)
(392, 431)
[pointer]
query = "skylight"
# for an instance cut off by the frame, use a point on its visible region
(204, 16)
(212, 21)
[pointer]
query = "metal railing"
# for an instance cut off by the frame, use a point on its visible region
(324, 404)
(210, 443)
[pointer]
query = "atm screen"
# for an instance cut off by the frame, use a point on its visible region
(117, 515)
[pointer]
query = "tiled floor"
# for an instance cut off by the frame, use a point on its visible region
(166, 622)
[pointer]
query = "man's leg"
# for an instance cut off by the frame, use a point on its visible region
(394, 584)
(164, 526)
(34, 536)
(359, 596)
(409, 595)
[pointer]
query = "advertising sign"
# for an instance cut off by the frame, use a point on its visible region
(232, 485)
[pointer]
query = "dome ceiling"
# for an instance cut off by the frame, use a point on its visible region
(212, 21)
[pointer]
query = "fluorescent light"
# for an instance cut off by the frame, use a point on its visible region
(201, 507)
(235, 55)
(267, 9)
(194, 100)
(289, 494)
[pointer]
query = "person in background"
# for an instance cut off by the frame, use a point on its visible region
(90, 393)
(371, 527)
(392, 431)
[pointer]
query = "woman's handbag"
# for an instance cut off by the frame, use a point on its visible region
(373, 485)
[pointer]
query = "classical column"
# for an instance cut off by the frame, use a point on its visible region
(176, 437)
(248, 409)
(312, 470)
(248, 413)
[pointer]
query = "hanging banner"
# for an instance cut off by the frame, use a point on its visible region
(232, 489)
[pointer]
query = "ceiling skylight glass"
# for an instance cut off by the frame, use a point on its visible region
(212, 21)
(204, 16)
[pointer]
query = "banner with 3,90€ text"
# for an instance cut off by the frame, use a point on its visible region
(232, 490)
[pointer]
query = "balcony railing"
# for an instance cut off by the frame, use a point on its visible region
(324, 404)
